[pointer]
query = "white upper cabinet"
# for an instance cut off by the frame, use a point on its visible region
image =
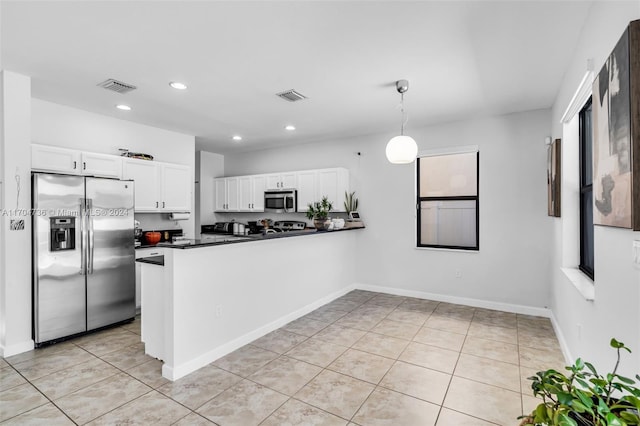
(281, 180)
(240, 194)
(259, 184)
(103, 165)
(307, 189)
(232, 194)
(333, 183)
(159, 187)
(176, 187)
(246, 193)
(220, 196)
(70, 161)
(54, 159)
(146, 175)
(227, 194)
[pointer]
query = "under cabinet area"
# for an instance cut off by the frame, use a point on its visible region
(246, 193)
(159, 187)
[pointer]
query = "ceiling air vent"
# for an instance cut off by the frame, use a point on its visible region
(291, 95)
(117, 86)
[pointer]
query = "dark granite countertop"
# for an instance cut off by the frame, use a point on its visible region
(153, 260)
(244, 239)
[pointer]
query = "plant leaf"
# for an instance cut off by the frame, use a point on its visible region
(612, 420)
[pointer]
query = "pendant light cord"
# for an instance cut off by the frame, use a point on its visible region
(404, 116)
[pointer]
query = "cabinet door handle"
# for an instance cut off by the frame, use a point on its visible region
(75, 165)
(163, 204)
(156, 204)
(84, 165)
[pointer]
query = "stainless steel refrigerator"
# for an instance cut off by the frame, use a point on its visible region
(83, 254)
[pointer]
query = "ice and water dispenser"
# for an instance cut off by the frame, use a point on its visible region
(63, 233)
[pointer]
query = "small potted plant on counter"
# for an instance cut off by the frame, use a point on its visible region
(350, 202)
(319, 212)
(585, 397)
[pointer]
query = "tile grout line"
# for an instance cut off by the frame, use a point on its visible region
(452, 376)
(43, 394)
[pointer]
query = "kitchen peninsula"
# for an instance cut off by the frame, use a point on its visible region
(219, 297)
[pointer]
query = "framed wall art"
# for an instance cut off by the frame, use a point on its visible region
(616, 132)
(554, 177)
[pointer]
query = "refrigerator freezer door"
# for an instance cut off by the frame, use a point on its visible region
(111, 274)
(58, 280)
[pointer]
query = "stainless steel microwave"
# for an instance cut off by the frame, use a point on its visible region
(283, 201)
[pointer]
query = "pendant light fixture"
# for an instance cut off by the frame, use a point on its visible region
(402, 149)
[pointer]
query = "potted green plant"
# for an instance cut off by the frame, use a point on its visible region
(319, 212)
(585, 397)
(350, 202)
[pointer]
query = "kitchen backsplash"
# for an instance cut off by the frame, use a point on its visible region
(153, 221)
(246, 217)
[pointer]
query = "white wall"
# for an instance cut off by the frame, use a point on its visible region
(208, 167)
(512, 267)
(58, 125)
(616, 309)
(15, 246)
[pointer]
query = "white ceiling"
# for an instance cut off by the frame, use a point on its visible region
(463, 59)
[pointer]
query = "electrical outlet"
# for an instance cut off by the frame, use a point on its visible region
(458, 274)
(636, 254)
(218, 311)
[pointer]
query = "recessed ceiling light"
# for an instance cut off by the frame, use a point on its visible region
(289, 127)
(123, 107)
(178, 85)
(237, 138)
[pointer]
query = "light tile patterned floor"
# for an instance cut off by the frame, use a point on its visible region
(363, 359)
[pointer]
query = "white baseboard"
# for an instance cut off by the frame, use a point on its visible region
(16, 348)
(568, 358)
(178, 371)
(476, 303)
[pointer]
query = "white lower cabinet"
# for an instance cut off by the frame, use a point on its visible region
(150, 302)
(143, 252)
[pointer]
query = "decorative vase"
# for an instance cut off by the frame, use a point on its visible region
(319, 223)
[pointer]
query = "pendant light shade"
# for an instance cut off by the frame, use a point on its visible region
(402, 149)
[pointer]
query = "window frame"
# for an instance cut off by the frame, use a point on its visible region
(476, 197)
(583, 190)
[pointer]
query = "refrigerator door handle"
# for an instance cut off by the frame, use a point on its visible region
(83, 238)
(91, 240)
